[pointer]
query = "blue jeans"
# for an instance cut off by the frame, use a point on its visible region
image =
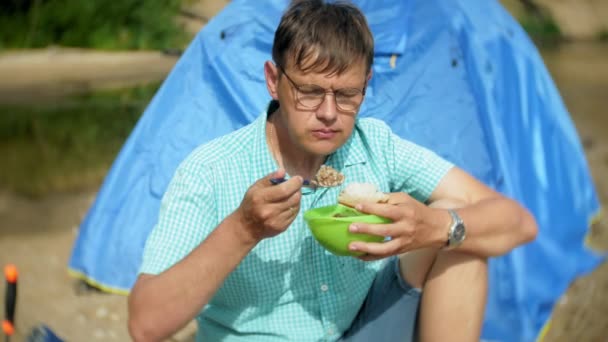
(390, 310)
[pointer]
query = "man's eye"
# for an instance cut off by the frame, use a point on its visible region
(312, 91)
(348, 93)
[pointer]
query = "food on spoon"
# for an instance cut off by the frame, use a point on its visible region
(327, 176)
(355, 193)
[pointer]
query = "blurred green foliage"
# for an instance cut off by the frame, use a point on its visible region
(102, 24)
(69, 145)
(541, 27)
(535, 19)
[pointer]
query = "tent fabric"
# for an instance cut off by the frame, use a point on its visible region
(460, 77)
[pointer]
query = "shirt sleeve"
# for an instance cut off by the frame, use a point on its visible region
(416, 170)
(187, 216)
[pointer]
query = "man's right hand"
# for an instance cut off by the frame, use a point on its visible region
(267, 209)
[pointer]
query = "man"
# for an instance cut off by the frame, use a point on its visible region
(231, 249)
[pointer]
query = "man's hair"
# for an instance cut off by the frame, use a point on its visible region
(325, 37)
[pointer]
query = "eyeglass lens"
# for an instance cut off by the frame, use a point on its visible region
(312, 96)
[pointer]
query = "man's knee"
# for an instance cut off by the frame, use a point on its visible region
(455, 293)
(416, 265)
(468, 265)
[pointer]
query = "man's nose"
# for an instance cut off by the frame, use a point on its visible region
(328, 111)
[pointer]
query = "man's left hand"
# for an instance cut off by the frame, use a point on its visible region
(414, 226)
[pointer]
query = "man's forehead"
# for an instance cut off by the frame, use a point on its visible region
(325, 67)
(321, 60)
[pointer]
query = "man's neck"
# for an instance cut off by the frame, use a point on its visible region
(288, 155)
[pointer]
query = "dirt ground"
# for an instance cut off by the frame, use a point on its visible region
(37, 235)
(581, 74)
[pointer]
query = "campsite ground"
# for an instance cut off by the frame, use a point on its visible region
(37, 234)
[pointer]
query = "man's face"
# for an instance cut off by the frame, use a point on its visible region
(317, 122)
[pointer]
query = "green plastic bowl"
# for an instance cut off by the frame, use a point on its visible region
(329, 225)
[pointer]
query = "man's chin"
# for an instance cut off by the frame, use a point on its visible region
(323, 149)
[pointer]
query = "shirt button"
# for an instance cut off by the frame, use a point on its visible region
(330, 331)
(324, 288)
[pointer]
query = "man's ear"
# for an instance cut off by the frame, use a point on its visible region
(369, 75)
(272, 79)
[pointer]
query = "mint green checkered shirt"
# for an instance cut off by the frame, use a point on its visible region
(288, 288)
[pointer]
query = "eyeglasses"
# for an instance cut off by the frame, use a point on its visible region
(311, 96)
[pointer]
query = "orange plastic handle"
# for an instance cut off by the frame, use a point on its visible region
(10, 272)
(8, 328)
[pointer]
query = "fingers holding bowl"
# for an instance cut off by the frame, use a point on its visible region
(375, 250)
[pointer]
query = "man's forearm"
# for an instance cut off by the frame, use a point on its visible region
(495, 226)
(161, 305)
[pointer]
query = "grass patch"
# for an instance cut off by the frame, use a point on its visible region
(115, 25)
(69, 145)
(541, 27)
(535, 20)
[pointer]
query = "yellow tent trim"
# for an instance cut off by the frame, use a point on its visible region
(544, 331)
(593, 220)
(96, 284)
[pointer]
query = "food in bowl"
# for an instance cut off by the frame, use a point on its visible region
(355, 193)
(329, 224)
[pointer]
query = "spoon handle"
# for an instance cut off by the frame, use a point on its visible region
(276, 181)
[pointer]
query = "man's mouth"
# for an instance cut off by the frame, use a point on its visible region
(324, 133)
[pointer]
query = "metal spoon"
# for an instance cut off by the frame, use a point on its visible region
(307, 183)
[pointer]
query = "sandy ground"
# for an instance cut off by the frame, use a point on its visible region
(581, 74)
(37, 235)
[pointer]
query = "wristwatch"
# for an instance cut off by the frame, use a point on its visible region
(457, 231)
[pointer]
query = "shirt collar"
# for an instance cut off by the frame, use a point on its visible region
(351, 153)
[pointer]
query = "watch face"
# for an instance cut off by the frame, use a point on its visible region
(459, 232)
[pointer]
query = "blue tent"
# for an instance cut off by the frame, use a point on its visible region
(460, 77)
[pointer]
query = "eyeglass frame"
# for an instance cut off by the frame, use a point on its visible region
(327, 91)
